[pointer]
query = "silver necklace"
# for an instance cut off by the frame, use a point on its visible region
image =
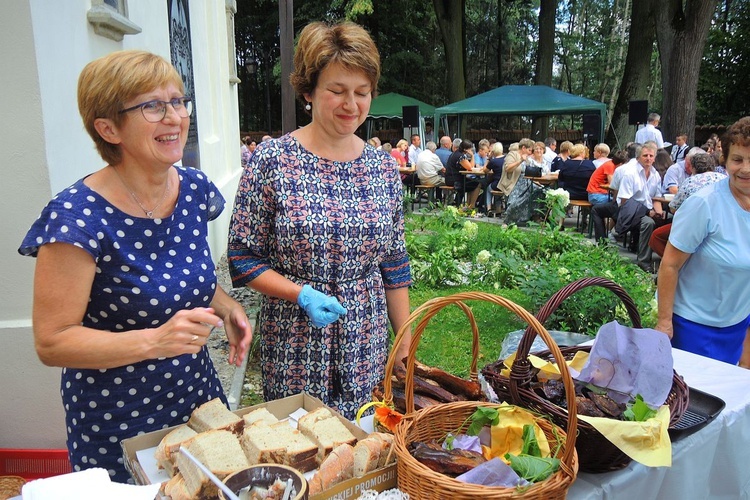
(149, 213)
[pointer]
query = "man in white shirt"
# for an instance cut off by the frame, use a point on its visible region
(414, 149)
(609, 210)
(640, 183)
(550, 147)
(429, 167)
(680, 149)
(650, 132)
(677, 173)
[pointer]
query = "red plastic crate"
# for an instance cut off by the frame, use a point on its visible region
(33, 464)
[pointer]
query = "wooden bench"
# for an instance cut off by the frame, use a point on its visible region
(423, 188)
(584, 211)
(449, 193)
(498, 200)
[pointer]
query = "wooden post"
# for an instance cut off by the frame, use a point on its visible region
(286, 39)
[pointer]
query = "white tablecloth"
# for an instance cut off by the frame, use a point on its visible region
(713, 463)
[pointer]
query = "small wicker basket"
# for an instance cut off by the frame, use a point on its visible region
(435, 422)
(595, 452)
(10, 486)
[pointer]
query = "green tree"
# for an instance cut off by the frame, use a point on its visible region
(723, 95)
(450, 20)
(544, 58)
(683, 29)
(517, 27)
(636, 77)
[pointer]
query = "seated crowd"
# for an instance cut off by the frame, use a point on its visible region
(636, 192)
(625, 188)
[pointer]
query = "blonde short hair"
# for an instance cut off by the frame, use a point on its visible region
(602, 148)
(321, 44)
(565, 147)
(496, 150)
(107, 83)
(577, 150)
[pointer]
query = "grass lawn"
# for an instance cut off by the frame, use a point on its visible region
(446, 341)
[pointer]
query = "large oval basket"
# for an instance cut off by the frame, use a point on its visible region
(434, 422)
(595, 452)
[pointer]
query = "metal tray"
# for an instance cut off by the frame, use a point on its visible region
(702, 408)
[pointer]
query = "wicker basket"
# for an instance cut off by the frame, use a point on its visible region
(436, 421)
(595, 452)
(10, 486)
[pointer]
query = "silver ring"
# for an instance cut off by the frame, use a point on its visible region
(195, 337)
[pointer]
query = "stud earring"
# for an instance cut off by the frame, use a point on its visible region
(308, 107)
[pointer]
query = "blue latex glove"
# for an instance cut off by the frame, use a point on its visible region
(321, 308)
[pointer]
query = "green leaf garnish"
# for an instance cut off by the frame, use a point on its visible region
(530, 444)
(533, 469)
(449, 441)
(638, 411)
(481, 417)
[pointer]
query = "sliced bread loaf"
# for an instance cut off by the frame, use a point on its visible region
(366, 456)
(309, 418)
(169, 444)
(260, 444)
(219, 451)
(175, 488)
(387, 454)
(301, 452)
(338, 466)
(325, 430)
(279, 443)
(214, 415)
(259, 415)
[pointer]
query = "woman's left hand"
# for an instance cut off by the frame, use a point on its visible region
(239, 333)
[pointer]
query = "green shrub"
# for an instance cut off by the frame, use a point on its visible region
(448, 250)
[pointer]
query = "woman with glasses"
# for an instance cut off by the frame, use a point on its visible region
(125, 292)
(537, 160)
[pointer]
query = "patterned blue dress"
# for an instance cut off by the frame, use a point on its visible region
(339, 227)
(146, 271)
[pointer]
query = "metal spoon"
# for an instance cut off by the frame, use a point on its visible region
(227, 492)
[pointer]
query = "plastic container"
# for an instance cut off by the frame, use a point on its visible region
(33, 464)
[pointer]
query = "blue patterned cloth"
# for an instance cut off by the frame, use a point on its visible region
(339, 227)
(146, 271)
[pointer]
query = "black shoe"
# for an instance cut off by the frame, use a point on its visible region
(649, 268)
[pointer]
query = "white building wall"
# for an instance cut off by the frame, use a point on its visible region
(44, 148)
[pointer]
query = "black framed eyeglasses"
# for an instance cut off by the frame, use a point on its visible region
(155, 111)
